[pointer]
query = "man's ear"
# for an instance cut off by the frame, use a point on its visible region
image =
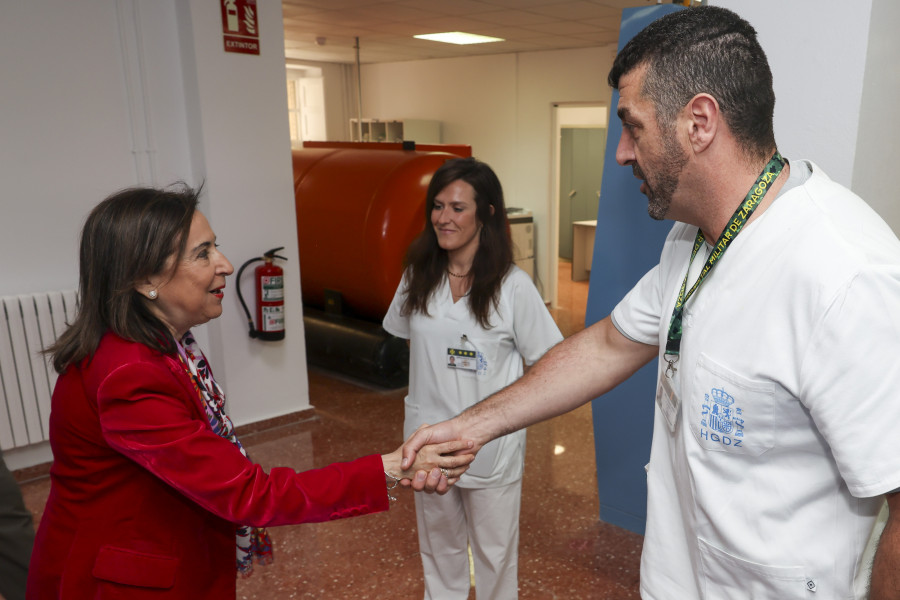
(702, 114)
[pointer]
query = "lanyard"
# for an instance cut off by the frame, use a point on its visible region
(740, 217)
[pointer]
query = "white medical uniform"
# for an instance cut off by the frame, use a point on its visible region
(482, 509)
(768, 480)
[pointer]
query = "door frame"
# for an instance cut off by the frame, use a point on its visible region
(566, 114)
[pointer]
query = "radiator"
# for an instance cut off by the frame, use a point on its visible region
(29, 323)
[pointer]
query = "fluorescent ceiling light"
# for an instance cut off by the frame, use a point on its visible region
(458, 37)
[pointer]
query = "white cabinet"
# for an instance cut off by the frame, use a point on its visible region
(582, 249)
(421, 131)
(521, 229)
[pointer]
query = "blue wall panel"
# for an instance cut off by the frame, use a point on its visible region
(627, 245)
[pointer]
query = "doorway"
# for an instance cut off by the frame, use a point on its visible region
(581, 151)
(580, 131)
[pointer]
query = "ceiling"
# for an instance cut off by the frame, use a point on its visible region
(326, 30)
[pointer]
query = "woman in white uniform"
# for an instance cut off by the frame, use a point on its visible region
(471, 316)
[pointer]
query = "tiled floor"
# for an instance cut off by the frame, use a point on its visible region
(565, 551)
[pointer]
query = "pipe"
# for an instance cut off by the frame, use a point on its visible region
(358, 94)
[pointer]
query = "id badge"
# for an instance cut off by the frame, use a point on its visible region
(668, 401)
(463, 360)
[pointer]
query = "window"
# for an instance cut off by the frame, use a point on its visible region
(306, 104)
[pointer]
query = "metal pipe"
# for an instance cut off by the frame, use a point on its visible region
(358, 94)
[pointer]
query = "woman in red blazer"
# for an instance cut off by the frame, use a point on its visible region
(152, 495)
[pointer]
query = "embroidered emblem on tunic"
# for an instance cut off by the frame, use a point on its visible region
(482, 364)
(721, 420)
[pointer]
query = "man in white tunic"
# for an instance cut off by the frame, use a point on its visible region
(774, 315)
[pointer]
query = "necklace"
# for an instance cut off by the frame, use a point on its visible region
(466, 274)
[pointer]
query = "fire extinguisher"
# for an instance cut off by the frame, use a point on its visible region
(269, 282)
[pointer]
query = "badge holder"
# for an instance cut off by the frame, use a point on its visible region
(462, 358)
(668, 401)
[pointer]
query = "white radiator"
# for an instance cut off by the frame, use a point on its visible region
(28, 324)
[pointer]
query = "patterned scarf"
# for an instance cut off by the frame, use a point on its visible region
(252, 542)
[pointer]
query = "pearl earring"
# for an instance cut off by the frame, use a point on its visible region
(152, 294)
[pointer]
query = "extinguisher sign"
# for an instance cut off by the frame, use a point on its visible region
(273, 318)
(240, 26)
(272, 288)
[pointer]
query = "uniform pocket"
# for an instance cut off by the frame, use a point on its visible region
(486, 349)
(728, 412)
(727, 577)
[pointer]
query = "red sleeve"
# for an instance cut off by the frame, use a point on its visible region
(145, 414)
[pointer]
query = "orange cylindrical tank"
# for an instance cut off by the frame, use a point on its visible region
(358, 208)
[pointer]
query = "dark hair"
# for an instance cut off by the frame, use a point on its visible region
(127, 238)
(705, 50)
(426, 261)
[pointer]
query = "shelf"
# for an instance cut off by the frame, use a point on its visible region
(421, 131)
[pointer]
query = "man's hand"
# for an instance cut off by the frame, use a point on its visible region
(434, 480)
(423, 436)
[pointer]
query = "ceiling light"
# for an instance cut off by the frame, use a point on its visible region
(458, 37)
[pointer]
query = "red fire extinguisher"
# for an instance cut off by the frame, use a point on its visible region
(269, 283)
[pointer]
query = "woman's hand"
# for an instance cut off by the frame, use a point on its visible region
(433, 458)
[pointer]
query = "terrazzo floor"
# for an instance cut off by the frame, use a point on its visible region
(565, 552)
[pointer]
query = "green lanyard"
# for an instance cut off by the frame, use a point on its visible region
(769, 173)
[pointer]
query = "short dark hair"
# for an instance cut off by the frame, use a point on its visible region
(427, 262)
(127, 238)
(705, 50)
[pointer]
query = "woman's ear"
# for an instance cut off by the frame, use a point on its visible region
(492, 210)
(147, 288)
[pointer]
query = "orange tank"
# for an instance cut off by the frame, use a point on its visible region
(359, 205)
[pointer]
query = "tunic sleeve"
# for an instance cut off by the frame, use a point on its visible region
(395, 323)
(637, 315)
(145, 413)
(850, 378)
(535, 330)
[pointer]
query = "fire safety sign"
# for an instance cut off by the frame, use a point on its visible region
(240, 26)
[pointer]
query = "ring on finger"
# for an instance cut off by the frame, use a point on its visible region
(445, 472)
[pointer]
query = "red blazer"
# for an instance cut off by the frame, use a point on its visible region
(144, 497)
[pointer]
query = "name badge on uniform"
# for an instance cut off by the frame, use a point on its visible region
(465, 360)
(668, 401)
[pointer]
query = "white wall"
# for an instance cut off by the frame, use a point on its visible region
(66, 140)
(874, 170)
(816, 50)
(104, 94)
(836, 79)
(240, 145)
(473, 97)
(501, 105)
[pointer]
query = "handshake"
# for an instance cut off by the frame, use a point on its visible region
(432, 459)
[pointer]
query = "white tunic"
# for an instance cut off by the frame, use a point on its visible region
(521, 328)
(789, 387)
